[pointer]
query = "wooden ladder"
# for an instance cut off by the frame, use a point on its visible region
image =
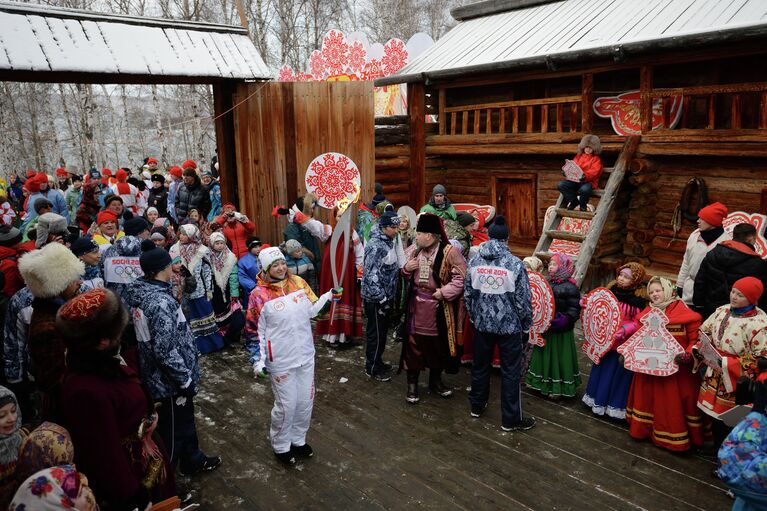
(598, 217)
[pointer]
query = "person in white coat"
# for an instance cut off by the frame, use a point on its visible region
(702, 240)
(278, 334)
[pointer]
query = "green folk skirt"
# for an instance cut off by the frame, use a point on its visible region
(554, 368)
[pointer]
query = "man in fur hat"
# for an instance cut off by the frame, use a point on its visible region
(436, 271)
(52, 274)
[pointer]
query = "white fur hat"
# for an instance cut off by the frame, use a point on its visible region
(49, 270)
(268, 256)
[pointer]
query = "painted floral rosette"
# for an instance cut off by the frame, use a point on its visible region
(600, 319)
(334, 179)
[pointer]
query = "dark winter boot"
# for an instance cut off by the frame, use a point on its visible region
(412, 395)
(435, 384)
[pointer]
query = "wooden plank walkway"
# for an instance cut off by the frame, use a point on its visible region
(374, 451)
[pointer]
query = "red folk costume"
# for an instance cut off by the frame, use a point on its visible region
(347, 315)
(664, 409)
(740, 338)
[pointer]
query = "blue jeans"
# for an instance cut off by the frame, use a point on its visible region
(575, 193)
(511, 364)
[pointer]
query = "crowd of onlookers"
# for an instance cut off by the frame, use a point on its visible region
(113, 284)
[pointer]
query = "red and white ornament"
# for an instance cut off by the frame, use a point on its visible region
(600, 319)
(334, 179)
(543, 307)
(652, 349)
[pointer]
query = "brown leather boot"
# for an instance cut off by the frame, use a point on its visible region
(412, 395)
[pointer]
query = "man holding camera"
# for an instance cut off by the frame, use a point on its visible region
(236, 228)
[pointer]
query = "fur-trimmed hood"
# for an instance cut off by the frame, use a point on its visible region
(591, 141)
(49, 270)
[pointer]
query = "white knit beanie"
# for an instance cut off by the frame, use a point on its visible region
(269, 256)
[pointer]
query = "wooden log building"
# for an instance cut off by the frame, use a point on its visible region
(513, 88)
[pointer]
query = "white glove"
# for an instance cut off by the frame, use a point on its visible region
(259, 369)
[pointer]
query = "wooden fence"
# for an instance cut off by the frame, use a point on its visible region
(281, 127)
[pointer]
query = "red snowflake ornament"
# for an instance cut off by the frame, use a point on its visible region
(395, 56)
(286, 74)
(372, 70)
(334, 179)
(357, 57)
(335, 52)
(317, 65)
(652, 349)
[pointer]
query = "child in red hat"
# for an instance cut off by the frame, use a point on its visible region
(738, 331)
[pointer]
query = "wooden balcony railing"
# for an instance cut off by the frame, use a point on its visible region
(716, 107)
(545, 115)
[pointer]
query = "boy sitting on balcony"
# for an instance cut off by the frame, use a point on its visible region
(577, 193)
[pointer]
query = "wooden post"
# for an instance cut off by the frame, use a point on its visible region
(224, 125)
(289, 124)
(645, 100)
(587, 92)
(763, 111)
(416, 113)
(441, 113)
(735, 116)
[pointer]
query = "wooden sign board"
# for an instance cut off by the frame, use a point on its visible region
(600, 319)
(652, 349)
(543, 307)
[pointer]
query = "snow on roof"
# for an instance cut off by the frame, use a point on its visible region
(37, 38)
(527, 33)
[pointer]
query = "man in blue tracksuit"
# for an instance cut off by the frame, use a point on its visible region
(497, 295)
(379, 286)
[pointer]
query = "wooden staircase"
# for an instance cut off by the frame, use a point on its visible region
(598, 217)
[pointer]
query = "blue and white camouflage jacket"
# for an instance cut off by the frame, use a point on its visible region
(168, 355)
(380, 268)
(15, 348)
(497, 291)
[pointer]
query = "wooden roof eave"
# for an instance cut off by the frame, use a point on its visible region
(9, 75)
(612, 53)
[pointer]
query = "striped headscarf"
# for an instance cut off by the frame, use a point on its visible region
(565, 269)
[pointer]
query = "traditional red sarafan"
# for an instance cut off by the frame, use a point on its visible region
(664, 408)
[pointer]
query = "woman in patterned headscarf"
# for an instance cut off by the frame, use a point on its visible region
(53, 489)
(195, 257)
(664, 408)
(554, 368)
(226, 289)
(609, 382)
(49, 445)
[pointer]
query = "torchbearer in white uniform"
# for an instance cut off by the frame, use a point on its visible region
(278, 333)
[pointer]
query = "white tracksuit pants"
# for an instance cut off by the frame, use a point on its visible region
(293, 401)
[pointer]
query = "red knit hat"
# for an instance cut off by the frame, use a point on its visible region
(122, 176)
(751, 287)
(31, 173)
(151, 160)
(33, 183)
(105, 172)
(176, 171)
(713, 214)
(189, 164)
(62, 172)
(105, 216)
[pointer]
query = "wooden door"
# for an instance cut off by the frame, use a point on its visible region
(515, 199)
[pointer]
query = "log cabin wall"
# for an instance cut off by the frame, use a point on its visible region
(495, 127)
